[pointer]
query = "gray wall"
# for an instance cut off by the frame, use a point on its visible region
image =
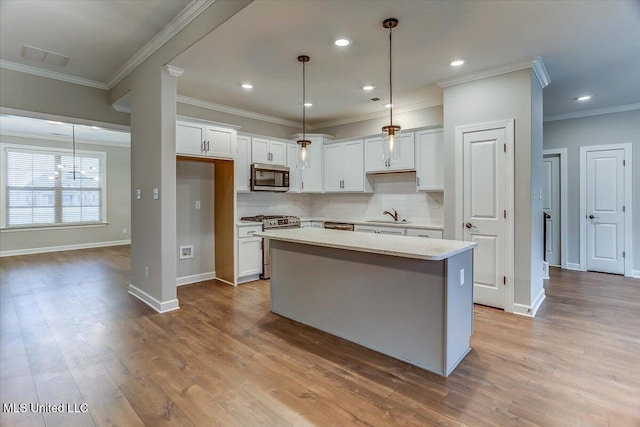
(118, 204)
(507, 96)
(617, 128)
(195, 181)
(247, 125)
(425, 117)
(43, 95)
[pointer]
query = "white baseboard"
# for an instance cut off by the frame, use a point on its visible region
(46, 249)
(195, 278)
(635, 274)
(573, 266)
(530, 310)
(159, 306)
(226, 281)
(250, 278)
(545, 270)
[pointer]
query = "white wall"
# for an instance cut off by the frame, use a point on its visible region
(195, 182)
(507, 96)
(617, 128)
(118, 206)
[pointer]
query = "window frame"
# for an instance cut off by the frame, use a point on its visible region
(102, 155)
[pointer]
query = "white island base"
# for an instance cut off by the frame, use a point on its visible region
(414, 309)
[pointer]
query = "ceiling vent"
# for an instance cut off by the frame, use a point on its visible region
(375, 99)
(45, 56)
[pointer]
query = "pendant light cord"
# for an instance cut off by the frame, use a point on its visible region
(390, 80)
(304, 100)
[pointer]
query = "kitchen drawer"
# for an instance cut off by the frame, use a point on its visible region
(248, 231)
(423, 232)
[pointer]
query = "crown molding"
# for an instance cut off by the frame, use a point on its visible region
(41, 72)
(236, 111)
(188, 14)
(541, 72)
(122, 108)
(535, 63)
(593, 112)
(375, 115)
(173, 71)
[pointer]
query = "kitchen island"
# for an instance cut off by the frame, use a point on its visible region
(408, 297)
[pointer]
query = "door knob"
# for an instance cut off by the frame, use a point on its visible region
(593, 216)
(468, 225)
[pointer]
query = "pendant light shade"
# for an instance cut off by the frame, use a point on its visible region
(303, 161)
(391, 132)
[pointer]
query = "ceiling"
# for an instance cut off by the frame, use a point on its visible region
(587, 47)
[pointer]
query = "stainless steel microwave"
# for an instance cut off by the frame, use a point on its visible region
(269, 177)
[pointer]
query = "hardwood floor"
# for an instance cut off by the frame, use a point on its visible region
(70, 333)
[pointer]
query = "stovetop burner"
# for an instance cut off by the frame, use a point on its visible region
(274, 221)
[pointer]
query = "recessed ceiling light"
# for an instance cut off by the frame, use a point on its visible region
(584, 98)
(456, 63)
(368, 87)
(308, 104)
(388, 105)
(247, 86)
(342, 42)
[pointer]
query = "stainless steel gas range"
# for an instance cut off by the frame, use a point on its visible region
(270, 222)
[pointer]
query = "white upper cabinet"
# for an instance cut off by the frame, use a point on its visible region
(268, 151)
(344, 166)
(203, 140)
(376, 162)
(430, 160)
(242, 164)
(294, 172)
(311, 177)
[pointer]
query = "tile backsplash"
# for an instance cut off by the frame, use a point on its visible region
(395, 190)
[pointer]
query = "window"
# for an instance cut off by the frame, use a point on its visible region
(45, 186)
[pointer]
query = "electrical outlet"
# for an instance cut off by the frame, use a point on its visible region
(197, 204)
(156, 194)
(186, 251)
(138, 194)
(461, 276)
(124, 230)
(146, 272)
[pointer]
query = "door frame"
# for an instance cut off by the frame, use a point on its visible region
(509, 245)
(562, 154)
(628, 231)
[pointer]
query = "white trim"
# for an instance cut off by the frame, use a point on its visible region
(593, 112)
(195, 278)
(63, 138)
(628, 202)
(541, 72)
(192, 120)
(52, 227)
(376, 115)
(509, 129)
(249, 278)
(173, 71)
(159, 306)
(635, 274)
(573, 266)
(545, 269)
(562, 154)
(504, 69)
(41, 72)
(122, 108)
(530, 310)
(235, 111)
(188, 14)
(47, 249)
(226, 281)
(65, 119)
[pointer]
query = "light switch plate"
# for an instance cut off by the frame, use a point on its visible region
(138, 194)
(156, 194)
(461, 276)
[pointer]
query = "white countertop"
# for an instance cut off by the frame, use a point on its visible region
(381, 222)
(402, 246)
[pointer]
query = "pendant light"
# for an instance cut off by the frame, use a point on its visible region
(391, 132)
(303, 161)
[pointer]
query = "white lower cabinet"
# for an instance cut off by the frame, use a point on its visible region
(377, 229)
(249, 253)
(424, 232)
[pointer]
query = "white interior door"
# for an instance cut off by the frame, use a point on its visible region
(604, 210)
(551, 206)
(484, 175)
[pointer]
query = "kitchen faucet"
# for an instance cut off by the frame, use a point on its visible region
(393, 215)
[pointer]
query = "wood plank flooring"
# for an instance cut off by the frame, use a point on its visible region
(70, 333)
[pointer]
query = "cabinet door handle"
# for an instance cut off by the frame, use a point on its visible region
(202, 146)
(207, 146)
(250, 233)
